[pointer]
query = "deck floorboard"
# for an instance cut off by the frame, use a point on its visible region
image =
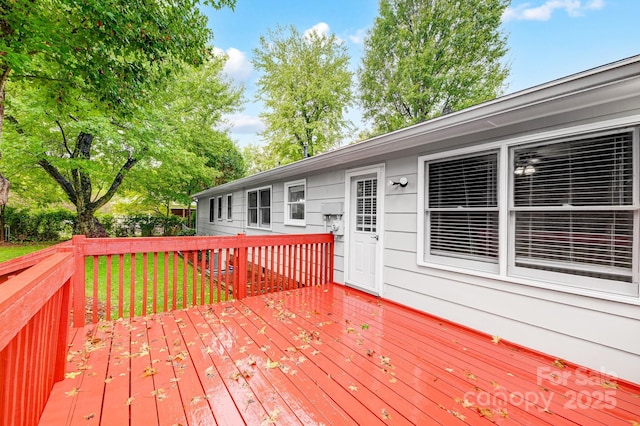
(320, 355)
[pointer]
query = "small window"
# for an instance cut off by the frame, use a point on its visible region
(229, 207)
(294, 202)
(212, 211)
(462, 220)
(259, 208)
(219, 208)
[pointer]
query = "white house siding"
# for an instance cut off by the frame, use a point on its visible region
(320, 188)
(600, 334)
(595, 329)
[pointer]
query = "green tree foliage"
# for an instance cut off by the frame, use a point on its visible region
(306, 88)
(92, 64)
(259, 158)
(425, 58)
(199, 153)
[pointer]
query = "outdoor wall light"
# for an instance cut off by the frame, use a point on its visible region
(402, 182)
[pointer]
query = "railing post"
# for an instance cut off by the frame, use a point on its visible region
(79, 285)
(330, 260)
(63, 333)
(242, 265)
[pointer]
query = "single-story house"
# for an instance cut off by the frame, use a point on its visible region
(519, 217)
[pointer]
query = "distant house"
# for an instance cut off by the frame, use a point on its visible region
(519, 217)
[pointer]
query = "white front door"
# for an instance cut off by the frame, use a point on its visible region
(364, 229)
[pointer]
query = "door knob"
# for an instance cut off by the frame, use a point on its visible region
(375, 236)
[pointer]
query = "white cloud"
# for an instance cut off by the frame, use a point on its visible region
(358, 37)
(238, 65)
(243, 123)
(543, 12)
(322, 29)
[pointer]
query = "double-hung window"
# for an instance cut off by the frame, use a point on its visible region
(219, 208)
(461, 211)
(259, 208)
(212, 209)
(229, 207)
(561, 211)
(294, 202)
(573, 211)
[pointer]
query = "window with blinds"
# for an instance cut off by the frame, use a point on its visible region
(573, 207)
(462, 208)
(294, 201)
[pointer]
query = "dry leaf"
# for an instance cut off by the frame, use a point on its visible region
(209, 372)
(262, 330)
(72, 374)
(353, 388)
(609, 385)
(149, 371)
(72, 392)
(271, 364)
(130, 400)
(485, 412)
(495, 339)
(108, 379)
(90, 416)
(560, 363)
(385, 414)
(466, 403)
(450, 370)
(458, 415)
(470, 376)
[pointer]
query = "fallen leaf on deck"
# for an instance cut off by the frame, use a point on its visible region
(385, 414)
(503, 413)
(634, 423)
(90, 416)
(393, 380)
(365, 326)
(560, 363)
(72, 374)
(315, 352)
(449, 370)
(271, 364)
(485, 412)
(209, 372)
(195, 400)
(456, 414)
(130, 400)
(495, 339)
(108, 379)
(609, 385)
(72, 392)
(350, 330)
(353, 388)
(159, 393)
(262, 330)
(469, 375)
(272, 418)
(149, 371)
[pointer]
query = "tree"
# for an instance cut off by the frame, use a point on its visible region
(88, 151)
(425, 58)
(200, 153)
(306, 88)
(109, 53)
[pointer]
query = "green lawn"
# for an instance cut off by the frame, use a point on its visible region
(10, 251)
(121, 287)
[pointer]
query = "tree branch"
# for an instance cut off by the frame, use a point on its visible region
(66, 186)
(64, 138)
(117, 181)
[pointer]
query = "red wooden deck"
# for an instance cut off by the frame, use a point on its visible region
(320, 355)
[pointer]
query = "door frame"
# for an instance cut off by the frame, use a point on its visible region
(379, 171)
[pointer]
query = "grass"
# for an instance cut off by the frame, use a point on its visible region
(10, 251)
(120, 287)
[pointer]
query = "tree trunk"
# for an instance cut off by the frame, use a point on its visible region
(88, 225)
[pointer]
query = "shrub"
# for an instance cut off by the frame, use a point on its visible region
(39, 225)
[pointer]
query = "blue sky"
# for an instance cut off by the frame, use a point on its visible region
(547, 39)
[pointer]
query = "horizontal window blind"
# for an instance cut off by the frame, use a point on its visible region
(463, 208)
(573, 206)
(588, 172)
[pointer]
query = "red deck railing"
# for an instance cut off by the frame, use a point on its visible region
(43, 293)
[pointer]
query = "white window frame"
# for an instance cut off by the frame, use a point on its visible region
(229, 207)
(287, 219)
(599, 288)
(258, 224)
(212, 210)
(425, 258)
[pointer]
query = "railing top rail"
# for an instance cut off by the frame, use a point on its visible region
(106, 246)
(24, 295)
(26, 261)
